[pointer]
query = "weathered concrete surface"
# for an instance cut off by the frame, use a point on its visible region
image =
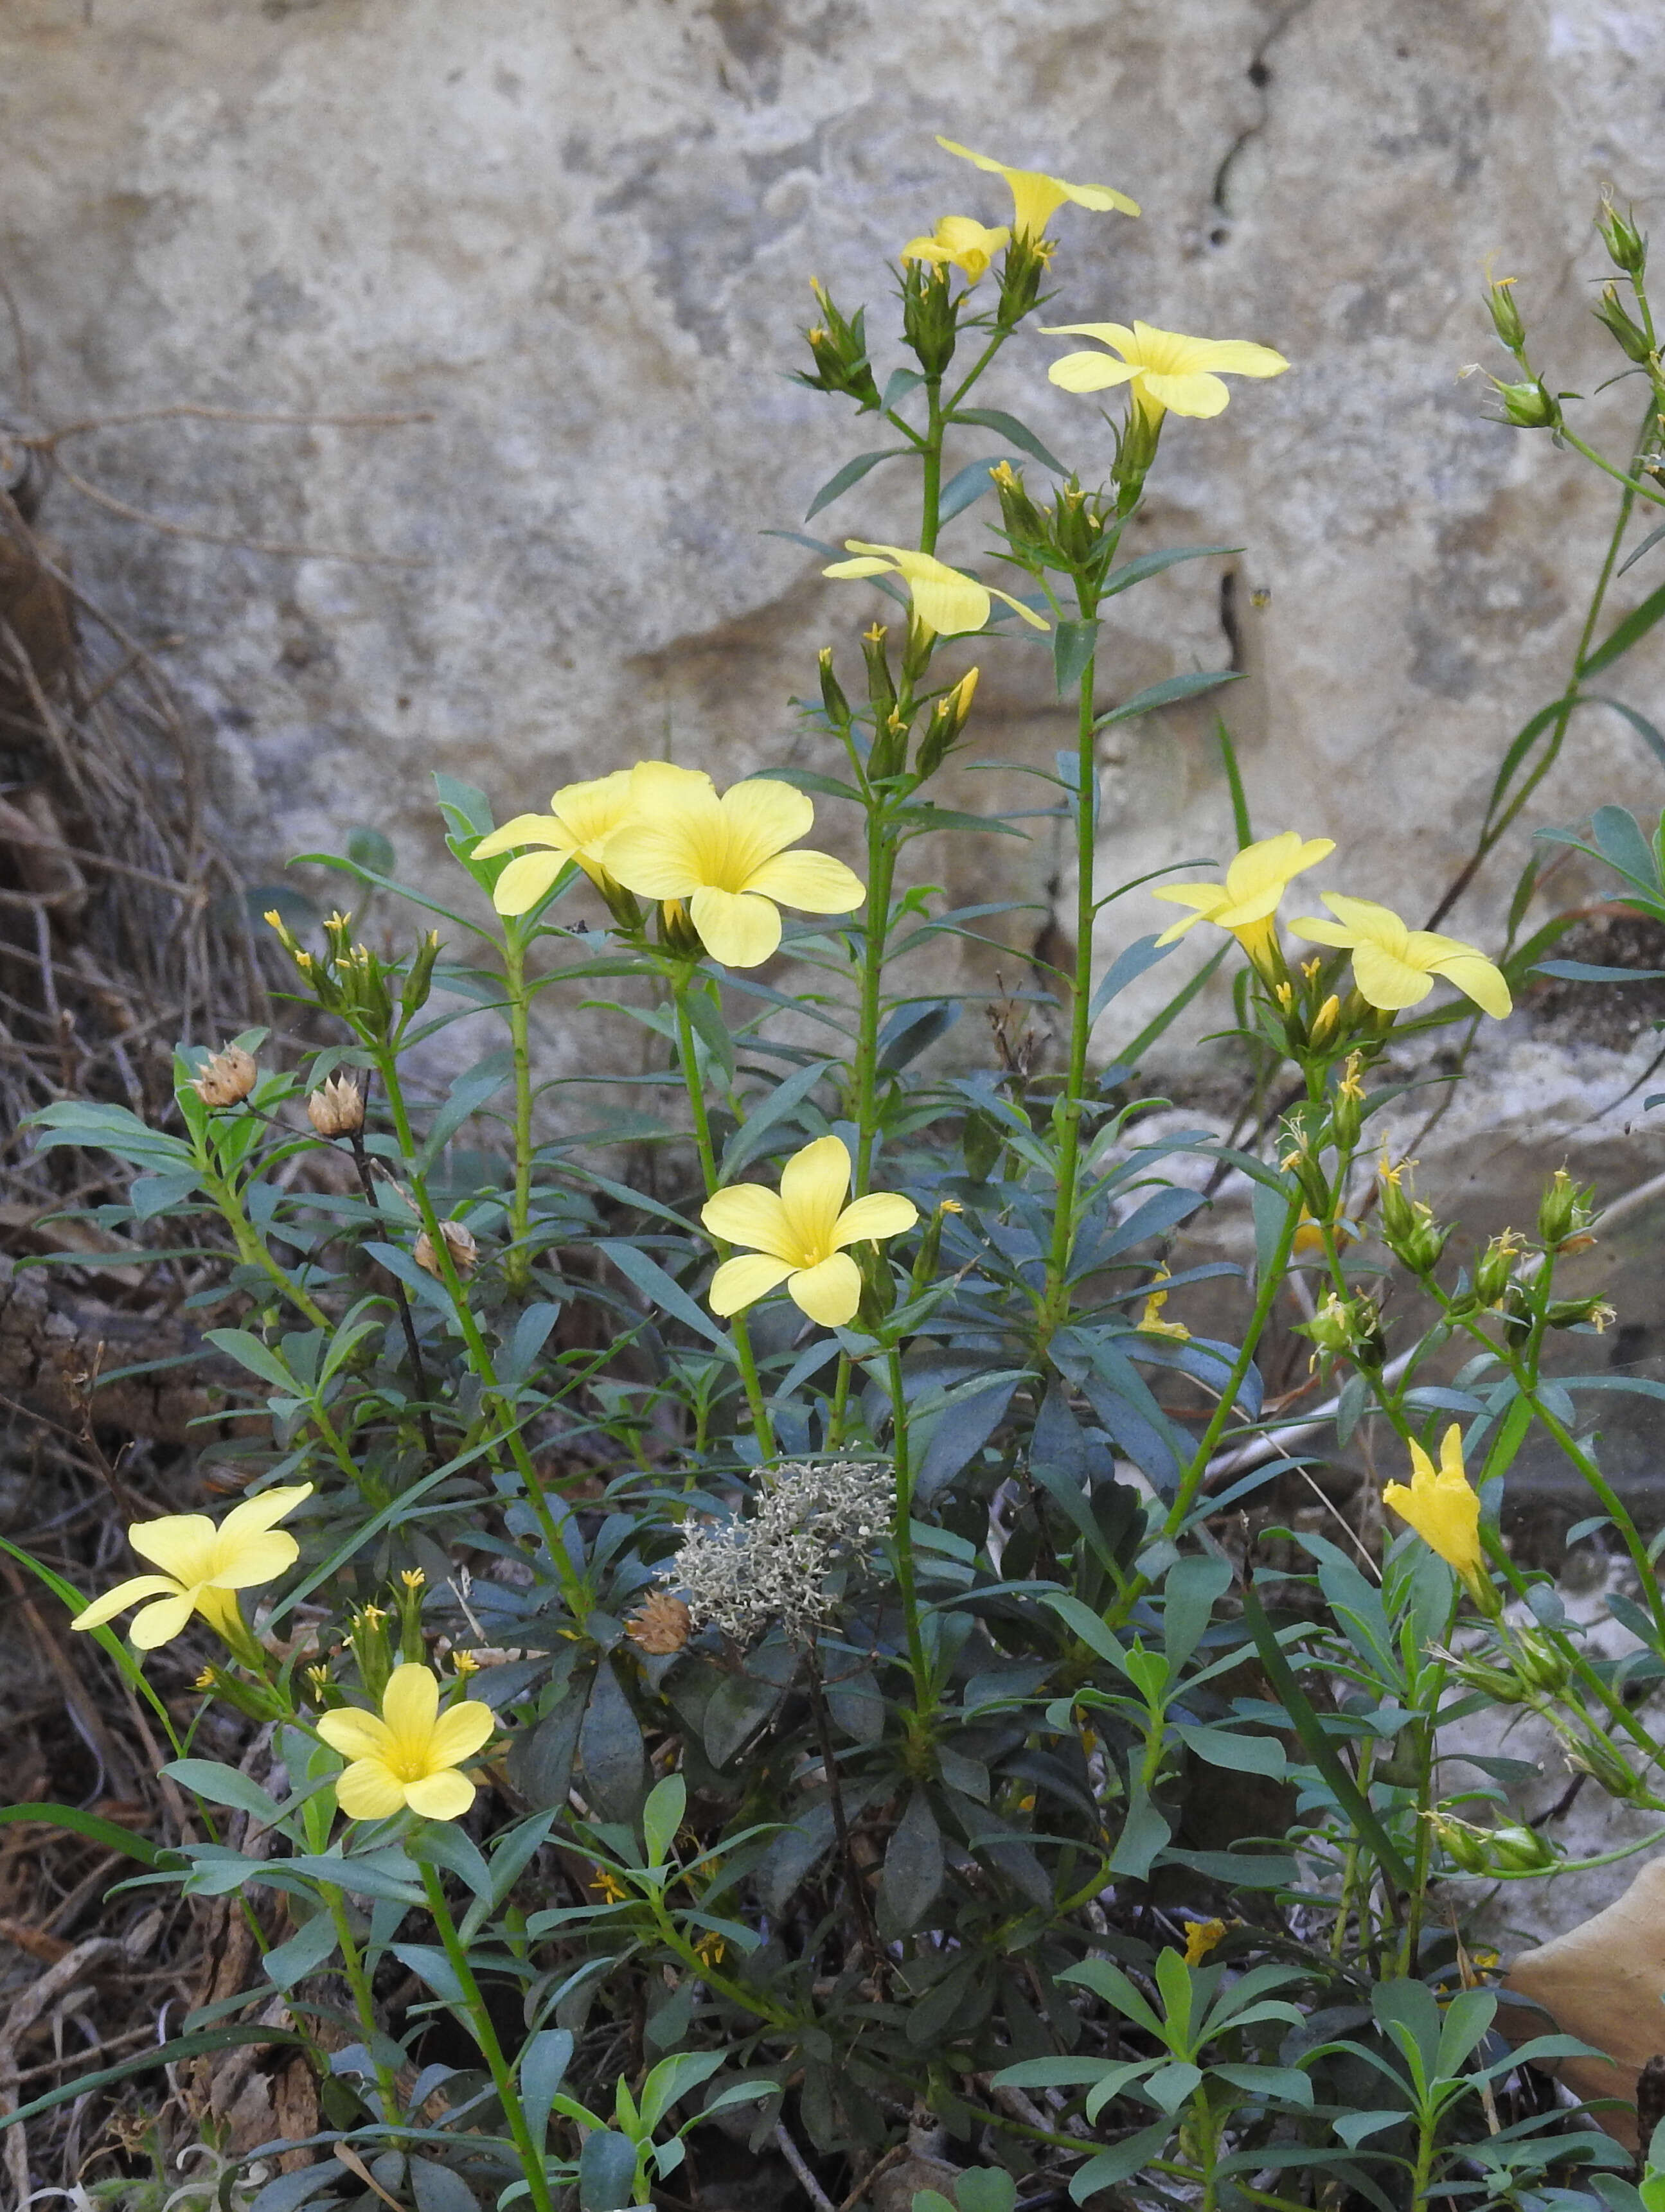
(580, 235)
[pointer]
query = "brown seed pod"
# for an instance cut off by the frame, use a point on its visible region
(660, 1624)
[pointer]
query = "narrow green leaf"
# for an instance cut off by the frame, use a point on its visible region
(851, 473)
(163, 2054)
(1626, 634)
(1007, 426)
(1073, 644)
(92, 1825)
(1167, 693)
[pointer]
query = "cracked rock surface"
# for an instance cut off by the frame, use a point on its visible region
(581, 236)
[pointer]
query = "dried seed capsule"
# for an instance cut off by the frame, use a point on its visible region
(228, 1079)
(660, 1624)
(338, 1109)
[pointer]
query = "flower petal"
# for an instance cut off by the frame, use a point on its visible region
(656, 858)
(355, 1735)
(1368, 921)
(880, 1213)
(444, 1796)
(1386, 982)
(408, 1705)
(1027, 613)
(829, 1293)
(180, 1544)
(259, 1559)
(760, 817)
(1089, 372)
(813, 1184)
(1176, 930)
(523, 830)
(866, 565)
(1111, 334)
(946, 602)
(1273, 863)
(1317, 931)
(252, 1517)
(746, 1213)
(736, 927)
(814, 881)
(1102, 199)
(1478, 978)
(525, 880)
(161, 1622)
(740, 1282)
(370, 1790)
(459, 1732)
(1235, 357)
(124, 1594)
(1196, 394)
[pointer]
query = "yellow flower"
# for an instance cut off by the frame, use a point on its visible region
(797, 1235)
(1445, 1512)
(613, 1891)
(1165, 369)
(580, 819)
(203, 1566)
(711, 1949)
(1035, 196)
(1200, 1938)
(726, 858)
(1151, 1323)
(409, 1756)
(961, 243)
(945, 601)
(1394, 966)
(1247, 901)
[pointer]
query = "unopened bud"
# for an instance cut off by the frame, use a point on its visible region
(1632, 338)
(336, 1110)
(1465, 1846)
(1627, 246)
(1540, 1661)
(881, 688)
(1528, 406)
(949, 717)
(1520, 1850)
(1580, 1313)
(832, 696)
(228, 1079)
(419, 982)
(1495, 1268)
(1564, 1212)
(1325, 1021)
(1594, 1755)
(459, 1242)
(1505, 315)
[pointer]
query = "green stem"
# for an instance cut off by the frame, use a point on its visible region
(1421, 1850)
(517, 1264)
(1066, 1114)
(358, 1982)
(931, 457)
(903, 1537)
(1648, 492)
(480, 2022)
(1272, 1280)
(881, 872)
(681, 976)
(479, 1353)
(251, 1246)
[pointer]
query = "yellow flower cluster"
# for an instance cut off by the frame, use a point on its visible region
(1394, 966)
(665, 833)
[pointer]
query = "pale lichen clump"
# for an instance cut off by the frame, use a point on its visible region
(772, 1570)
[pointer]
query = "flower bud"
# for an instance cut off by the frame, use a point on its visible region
(888, 754)
(1348, 1326)
(1580, 1313)
(336, 1111)
(838, 347)
(1021, 276)
(1632, 338)
(832, 696)
(1528, 406)
(949, 717)
(459, 1242)
(1627, 246)
(420, 980)
(1018, 512)
(1540, 1661)
(930, 315)
(1520, 1850)
(1324, 1022)
(1565, 1211)
(660, 1624)
(676, 932)
(366, 1632)
(1462, 1845)
(1505, 315)
(228, 1079)
(1594, 1755)
(1503, 1686)
(1495, 1268)
(881, 688)
(1136, 441)
(1408, 1228)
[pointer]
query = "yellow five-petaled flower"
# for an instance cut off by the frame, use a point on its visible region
(1246, 904)
(1395, 965)
(408, 1756)
(799, 1234)
(728, 858)
(1035, 196)
(1444, 1509)
(945, 600)
(580, 819)
(1163, 368)
(959, 241)
(204, 1567)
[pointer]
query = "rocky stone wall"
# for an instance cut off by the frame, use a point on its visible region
(578, 238)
